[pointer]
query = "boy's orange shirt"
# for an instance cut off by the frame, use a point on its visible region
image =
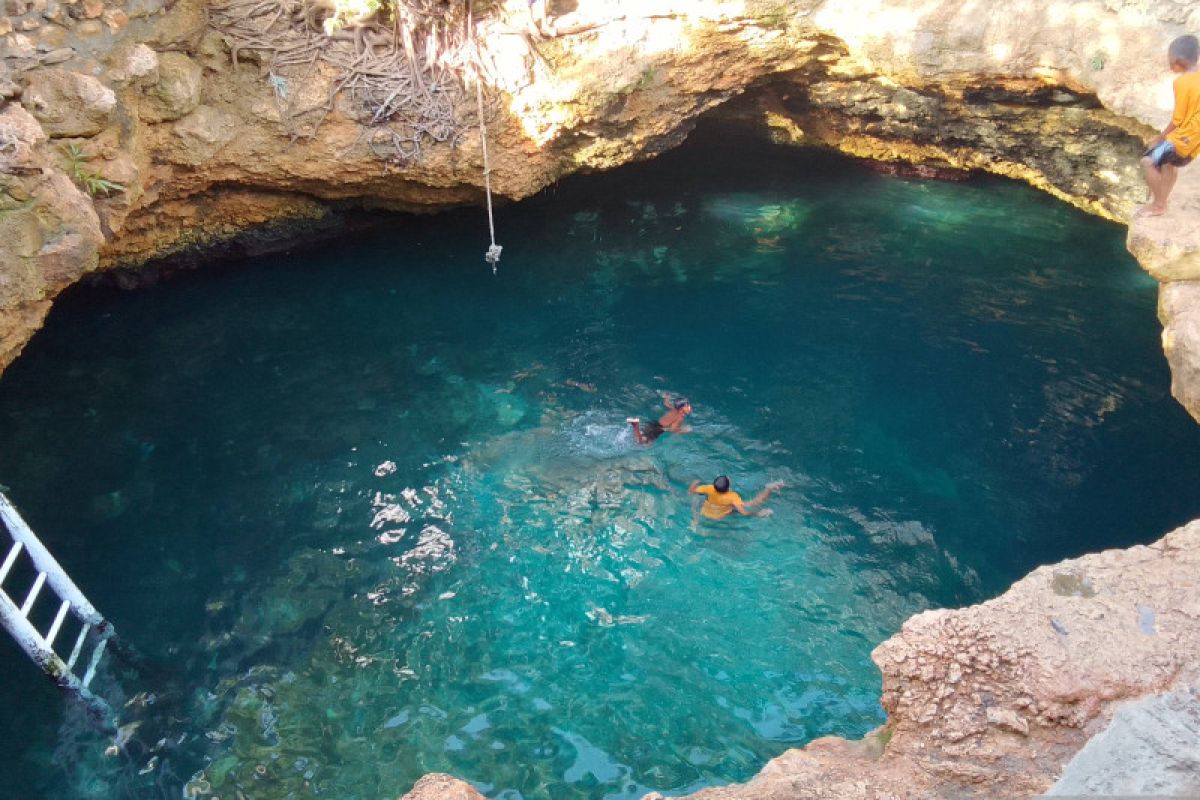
(1186, 136)
(717, 504)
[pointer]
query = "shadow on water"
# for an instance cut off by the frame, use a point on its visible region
(382, 514)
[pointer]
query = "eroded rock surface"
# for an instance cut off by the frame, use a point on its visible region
(195, 148)
(995, 699)
(1168, 247)
(1150, 749)
(437, 786)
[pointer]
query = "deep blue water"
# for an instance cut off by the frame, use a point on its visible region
(378, 511)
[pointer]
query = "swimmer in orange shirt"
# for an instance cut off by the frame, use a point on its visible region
(720, 501)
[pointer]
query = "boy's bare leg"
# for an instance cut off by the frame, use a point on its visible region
(637, 430)
(1154, 179)
(1161, 181)
(1170, 173)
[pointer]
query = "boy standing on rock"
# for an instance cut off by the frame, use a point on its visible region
(1180, 140)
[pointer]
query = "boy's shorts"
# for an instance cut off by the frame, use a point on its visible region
(1164, 153)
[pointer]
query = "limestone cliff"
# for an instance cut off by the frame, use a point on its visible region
(128, 132)
(1168, 247)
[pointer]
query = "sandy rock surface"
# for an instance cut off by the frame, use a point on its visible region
(437, 786)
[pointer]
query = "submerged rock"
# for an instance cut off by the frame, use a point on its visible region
(437, 786)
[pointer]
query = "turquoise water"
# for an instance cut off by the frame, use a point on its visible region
(378, 513)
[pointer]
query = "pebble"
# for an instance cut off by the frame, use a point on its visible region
(92, 8)
(58, 56)
(54, 12)
(30, 25)
(21, 46)
(52, 37)
(115, 19)
(5, 26)
(89, 28)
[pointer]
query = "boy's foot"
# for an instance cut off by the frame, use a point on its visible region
(632, 420)
(1151, 210)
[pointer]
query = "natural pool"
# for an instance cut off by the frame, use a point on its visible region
(379, 513)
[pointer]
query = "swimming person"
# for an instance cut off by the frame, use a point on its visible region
(647, 432)
(720, 501)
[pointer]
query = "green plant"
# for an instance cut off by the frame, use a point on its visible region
(87, 178)
(647, 78)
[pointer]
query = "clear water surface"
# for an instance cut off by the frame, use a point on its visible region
(378, 513)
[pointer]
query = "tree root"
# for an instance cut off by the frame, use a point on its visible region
(404, 80)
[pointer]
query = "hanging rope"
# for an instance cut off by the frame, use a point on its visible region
(493, 252)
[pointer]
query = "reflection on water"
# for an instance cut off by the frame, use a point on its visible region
(381, 513)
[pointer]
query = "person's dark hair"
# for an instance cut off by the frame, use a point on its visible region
(721, 483)
(680, 402)
(1185, 49)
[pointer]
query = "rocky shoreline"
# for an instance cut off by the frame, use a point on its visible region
(128, 133)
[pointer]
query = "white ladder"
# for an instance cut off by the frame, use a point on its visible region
(40, 648)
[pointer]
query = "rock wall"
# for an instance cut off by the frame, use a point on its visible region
(1168, 247)
(127, 131)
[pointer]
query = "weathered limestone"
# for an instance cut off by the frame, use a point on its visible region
(1168, 247)
(1179, 312)
(68, 103)
(49, 229)
(437, 786)
(176, 93)
(1150, 749)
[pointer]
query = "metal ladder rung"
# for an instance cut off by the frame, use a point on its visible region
(10, 560)
(31, 598)
(18, 624)
(78, 646)
(91, 670)
(58, 621)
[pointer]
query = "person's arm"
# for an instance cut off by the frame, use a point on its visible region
(692, 487)
(1162, 137)
(743, 509)
(1177, 116)
(765, 493)
(667, 402)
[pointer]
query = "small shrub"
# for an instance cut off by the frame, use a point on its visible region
(84, 176)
